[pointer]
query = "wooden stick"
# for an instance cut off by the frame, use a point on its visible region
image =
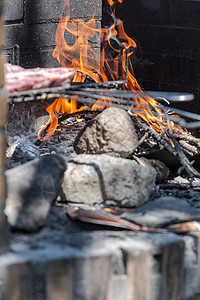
(3, 120)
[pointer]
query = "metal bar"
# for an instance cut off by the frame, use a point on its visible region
(16, 52)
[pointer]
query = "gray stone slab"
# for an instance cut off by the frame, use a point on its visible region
(163, 211)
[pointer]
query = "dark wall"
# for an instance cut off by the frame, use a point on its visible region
(32, 25)
(168, 32)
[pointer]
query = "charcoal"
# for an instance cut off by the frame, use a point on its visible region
(23, 150)
(31, 189)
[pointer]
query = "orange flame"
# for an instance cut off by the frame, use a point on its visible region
(98, 65)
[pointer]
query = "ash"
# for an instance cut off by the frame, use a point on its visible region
(22, 134)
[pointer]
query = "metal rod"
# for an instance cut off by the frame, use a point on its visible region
(16, 53)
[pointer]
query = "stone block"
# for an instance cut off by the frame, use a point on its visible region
(59, 280)
(80, 9)
(119, 287)
(171, 269)
(16, 280)
(167, 269)
(196, 248)
(14, 10)
(33, 35)
(93, 38)
(106, 179)
(39, 58)
(190, 282)
(37, 10)
(83, 277)
(139, 261)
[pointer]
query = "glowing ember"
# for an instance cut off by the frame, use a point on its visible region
(98, 66)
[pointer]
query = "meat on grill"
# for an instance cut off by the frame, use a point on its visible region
(20, 79)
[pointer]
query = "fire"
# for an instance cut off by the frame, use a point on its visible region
(98, 65)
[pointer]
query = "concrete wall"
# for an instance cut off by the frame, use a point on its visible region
(32, 25)
(168, 32)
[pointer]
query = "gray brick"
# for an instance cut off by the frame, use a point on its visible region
(119, 287)
(37, 10)
(190, 282)
(16, 282)
(39, 58)
(94, 38)
(14, 10)
(196, 237)
(167, 267)
(85, 8)
(171, 266)
(139, 260)
(82, 277)
(59, 280)
(32, 36)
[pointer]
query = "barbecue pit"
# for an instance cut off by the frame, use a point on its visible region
(69, 254)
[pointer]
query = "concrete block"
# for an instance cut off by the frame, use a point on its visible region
(85, 9)
(172, 263)
(16, 281)
(196, 237)
(190, 282)
(37, 10)
(139, 261)
(119, 287)
(39, 58)
(167, 269)
(80, 277)
(31, 36)
(59, 280)
(14, 10)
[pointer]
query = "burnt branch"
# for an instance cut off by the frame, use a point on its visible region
(186, 164)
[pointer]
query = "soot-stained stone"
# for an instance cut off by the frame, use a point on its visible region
(31, 189)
